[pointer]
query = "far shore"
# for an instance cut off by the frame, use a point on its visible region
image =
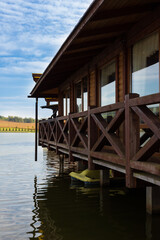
(16, 127)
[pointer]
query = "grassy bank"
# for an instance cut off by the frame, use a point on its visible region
(16, 127)
(16, 130)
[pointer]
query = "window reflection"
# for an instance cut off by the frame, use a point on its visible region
(145, 67)
(81, 95)
(108, 82)
(66, 103)
(85, 95)
(78, 97)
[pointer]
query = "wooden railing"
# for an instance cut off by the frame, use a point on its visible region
(111, 133)
(79, 132)
(141, 155)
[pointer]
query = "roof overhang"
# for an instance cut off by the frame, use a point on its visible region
(103, 23)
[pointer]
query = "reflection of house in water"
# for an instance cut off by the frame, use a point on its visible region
(63, 212)
(108, 68)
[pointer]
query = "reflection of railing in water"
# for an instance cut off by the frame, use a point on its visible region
(40, 231)
(117, 141)
(35, 217)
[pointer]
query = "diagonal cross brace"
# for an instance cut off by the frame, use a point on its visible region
(78, 128)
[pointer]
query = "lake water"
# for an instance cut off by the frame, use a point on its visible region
(39, 202)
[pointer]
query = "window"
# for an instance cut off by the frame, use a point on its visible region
(85, 94)
(108, 84)
(81, 95)
(145, 66)
(66, 103)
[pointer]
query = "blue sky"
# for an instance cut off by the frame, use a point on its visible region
(31, 32)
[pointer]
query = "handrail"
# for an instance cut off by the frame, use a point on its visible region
(108, 108)
(79, 114)
(145, 100)
(62, 118)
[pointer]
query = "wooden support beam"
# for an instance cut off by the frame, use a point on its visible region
(106, 30)
(92, 136)
(153, 200)
(127, 11)
(149, 118)
(147, 151)
(99, 42)
(131, 139)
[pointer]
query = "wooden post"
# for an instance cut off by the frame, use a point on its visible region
(56, 136)
(80, 165)
(92, 136)
(61, 163)
(153, 199)
(71, 136)
(36, 123)
(104, 177)
(132, 138)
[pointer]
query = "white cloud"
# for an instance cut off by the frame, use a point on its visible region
(31, 34)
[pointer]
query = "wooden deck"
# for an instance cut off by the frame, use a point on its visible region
(117, 143)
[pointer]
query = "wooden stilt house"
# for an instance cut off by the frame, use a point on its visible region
(105, 78)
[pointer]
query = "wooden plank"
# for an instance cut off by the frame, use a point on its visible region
(79, 150)
(108, 29)
(147, 177)
(113, 13)
(99, 144)
(113, 158)
(147, 151)
(62, 145)
(152, 168)
(108, 108)
(120, 82)
(131, 139)
(147, 134)
(62, 118)
(92, 135)
(79, 114)
(92, 95)
(116, 121)
(145, 100)
(99, 119)
(152, 121)
(110, 165)
(80, 156)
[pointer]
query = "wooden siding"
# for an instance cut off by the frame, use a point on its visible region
(92, 97)
(72, 98)
(120, 87)
(60, 104)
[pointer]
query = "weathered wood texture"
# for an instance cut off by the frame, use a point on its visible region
(120, 74)
(95, 133)
(93, 88)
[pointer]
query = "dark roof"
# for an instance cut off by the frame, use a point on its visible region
(102, 24)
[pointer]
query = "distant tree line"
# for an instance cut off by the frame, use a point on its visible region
(17, 119)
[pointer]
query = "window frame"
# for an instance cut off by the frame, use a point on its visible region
(116, 60)
(65, 94)
(131, 58)
(82, 97)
